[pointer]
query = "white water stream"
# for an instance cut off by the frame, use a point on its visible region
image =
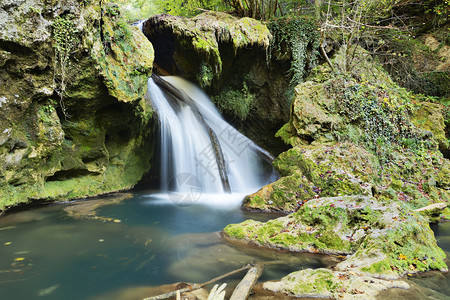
(189, 168)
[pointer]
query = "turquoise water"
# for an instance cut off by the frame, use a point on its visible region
(141, 242)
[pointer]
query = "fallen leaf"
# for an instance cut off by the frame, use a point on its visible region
(19, 258)
(402, 257)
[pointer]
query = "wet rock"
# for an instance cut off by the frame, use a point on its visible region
(87, 208)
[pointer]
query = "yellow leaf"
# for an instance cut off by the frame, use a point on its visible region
(19, 258)
(7, 243)
(402, 257)
(117, 221)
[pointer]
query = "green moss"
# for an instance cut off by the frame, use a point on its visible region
(379, 238)
(317, 171)
(198, 38)
(378, 268)
(446, 214)
(320, 282)
(233, 102)
(236, 231)
(103, 143)
(125, 57)
(429, 116)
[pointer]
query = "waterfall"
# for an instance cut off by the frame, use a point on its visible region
(200, 153)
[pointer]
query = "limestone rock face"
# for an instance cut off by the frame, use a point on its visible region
(73, 121)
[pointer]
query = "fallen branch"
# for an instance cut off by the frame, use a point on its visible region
(196, 286)
(243, 289)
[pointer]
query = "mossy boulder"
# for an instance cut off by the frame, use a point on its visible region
(74, 122)
(339, 169)
(312, 116)
(430, 116)
(325, 283)
(383, 239)
(309, 172)
(202, 34)
(124, 55)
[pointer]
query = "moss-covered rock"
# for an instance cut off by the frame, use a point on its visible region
(357, 174)
(429, 116)
(124, 55)
(383, 239)
(325, 283)
(355, 134)
(203, 34)
(316, 171)
(339, 169)
(74, 122)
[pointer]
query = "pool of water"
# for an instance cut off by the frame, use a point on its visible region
(67, 251)
(122, 250)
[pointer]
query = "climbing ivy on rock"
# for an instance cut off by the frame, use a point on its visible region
(298, 38)
(65, 39)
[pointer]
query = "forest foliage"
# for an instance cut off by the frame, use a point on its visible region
(386, 28)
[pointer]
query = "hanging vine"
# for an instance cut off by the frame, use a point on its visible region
(300, 37)
(65, 40)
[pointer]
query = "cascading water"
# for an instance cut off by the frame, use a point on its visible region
(203, 158)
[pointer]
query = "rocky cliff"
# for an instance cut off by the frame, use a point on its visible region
(73, 120)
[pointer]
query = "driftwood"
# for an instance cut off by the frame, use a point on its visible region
(197, 286)
(436, 207)
(243, 289)
(217, 292)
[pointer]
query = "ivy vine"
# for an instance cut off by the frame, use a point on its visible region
(301, 38)
(65, 39)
